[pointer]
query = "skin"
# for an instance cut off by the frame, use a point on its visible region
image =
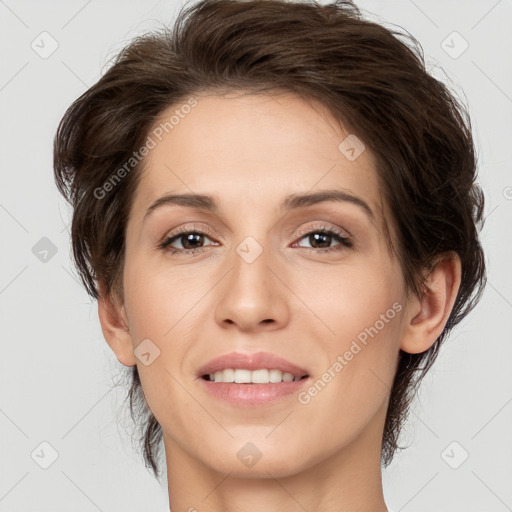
(251, 152)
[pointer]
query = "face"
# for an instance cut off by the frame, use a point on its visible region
(308, 281)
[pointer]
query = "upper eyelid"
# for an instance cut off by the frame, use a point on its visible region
(208, 231)
(340, 231)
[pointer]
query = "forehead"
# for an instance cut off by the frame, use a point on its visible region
(255, 147)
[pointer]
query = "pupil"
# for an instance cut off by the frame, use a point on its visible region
(316, 236)
(190, 238)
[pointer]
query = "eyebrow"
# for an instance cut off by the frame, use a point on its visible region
(292, 202)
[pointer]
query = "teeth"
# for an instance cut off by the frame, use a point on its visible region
(241, 376)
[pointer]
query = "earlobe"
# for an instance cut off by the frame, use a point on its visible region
(114, 325)
(430, 312)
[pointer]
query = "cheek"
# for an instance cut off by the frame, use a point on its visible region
(351, 298)
(354, 386)
(362, 315)
(159, 300)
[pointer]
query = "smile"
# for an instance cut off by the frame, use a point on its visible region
(242, 376)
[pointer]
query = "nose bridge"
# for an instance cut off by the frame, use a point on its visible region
(251, 269)
(251, 294)
(252, 254)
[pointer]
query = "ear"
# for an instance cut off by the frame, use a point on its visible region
(114, 325)
(430, 312)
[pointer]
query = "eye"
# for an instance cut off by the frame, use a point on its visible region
(323, 237)
(188, 241)
(191, 241)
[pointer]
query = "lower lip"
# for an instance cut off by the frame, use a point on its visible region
(242, 395)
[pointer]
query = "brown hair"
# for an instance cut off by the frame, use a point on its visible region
(375, 84)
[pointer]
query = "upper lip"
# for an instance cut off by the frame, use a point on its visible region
(256, 361)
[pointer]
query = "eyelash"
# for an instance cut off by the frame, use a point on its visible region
(345, 242)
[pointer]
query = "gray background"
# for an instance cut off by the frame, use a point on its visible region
(57, 374)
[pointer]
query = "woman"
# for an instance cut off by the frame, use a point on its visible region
(275, 206)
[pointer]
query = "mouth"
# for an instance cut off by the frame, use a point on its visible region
(248, 380)
(246, 376)
(256, 368)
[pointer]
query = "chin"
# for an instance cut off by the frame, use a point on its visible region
(277, 467)
(249, 459)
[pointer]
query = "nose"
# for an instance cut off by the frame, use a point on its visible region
(253, 296)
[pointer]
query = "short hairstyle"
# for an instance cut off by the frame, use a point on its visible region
(373, 82)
